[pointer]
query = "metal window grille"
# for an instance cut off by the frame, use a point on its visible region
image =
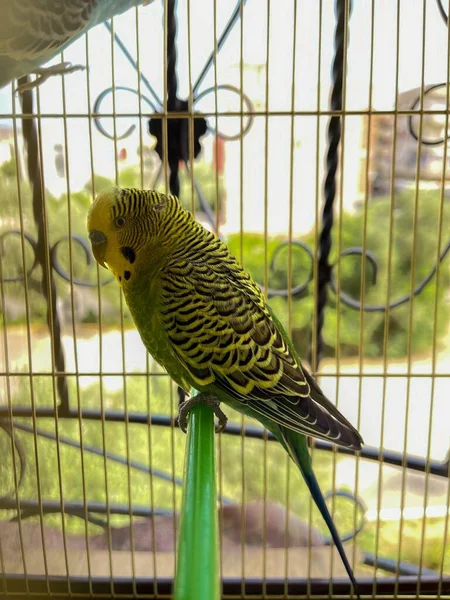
(90, 454)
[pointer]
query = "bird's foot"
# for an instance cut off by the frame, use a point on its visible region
(202, 398)
(43, 73)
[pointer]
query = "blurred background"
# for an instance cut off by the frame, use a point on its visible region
(258, 182)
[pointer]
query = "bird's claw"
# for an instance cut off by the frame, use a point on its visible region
(202, 398)
(43, 73)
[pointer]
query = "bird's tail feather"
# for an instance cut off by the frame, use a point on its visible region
(297, 448)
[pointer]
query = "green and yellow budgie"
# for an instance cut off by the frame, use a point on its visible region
(204, 319)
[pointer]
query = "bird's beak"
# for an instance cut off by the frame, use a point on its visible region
(98, 241)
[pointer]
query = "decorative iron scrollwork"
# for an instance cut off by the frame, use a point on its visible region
(157, 116)
(442, 11)
(297, 291)
(54, 262)
(411, 127)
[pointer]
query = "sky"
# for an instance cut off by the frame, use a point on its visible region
(271, 63)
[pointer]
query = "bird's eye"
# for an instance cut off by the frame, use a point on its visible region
(120, 221)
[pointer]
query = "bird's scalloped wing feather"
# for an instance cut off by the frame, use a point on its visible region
(223, 332)
(30, 29)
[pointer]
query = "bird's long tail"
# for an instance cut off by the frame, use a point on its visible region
(297, 448)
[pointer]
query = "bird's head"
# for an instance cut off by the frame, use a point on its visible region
(129, 228)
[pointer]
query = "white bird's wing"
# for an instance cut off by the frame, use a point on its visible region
(30, 29)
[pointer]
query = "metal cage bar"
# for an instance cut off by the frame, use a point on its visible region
(177, 123)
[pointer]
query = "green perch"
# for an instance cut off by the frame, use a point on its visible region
(197, 572)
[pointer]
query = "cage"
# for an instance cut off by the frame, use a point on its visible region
(312, 138)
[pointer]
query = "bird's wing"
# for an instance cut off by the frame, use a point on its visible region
(223, 332)
(30, 29)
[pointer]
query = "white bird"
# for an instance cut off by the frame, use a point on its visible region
(32, 32)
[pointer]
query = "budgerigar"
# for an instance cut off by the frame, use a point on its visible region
(32, 32)
(203, 318)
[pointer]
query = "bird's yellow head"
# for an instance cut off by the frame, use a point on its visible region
(129, 227)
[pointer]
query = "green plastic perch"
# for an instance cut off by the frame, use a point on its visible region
(197, 574)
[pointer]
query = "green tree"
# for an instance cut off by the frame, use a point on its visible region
(395, 252)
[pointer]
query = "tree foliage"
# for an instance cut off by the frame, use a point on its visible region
(402, 236)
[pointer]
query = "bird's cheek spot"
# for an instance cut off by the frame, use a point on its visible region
(127, 275)
(120, 278)
(129, 254)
